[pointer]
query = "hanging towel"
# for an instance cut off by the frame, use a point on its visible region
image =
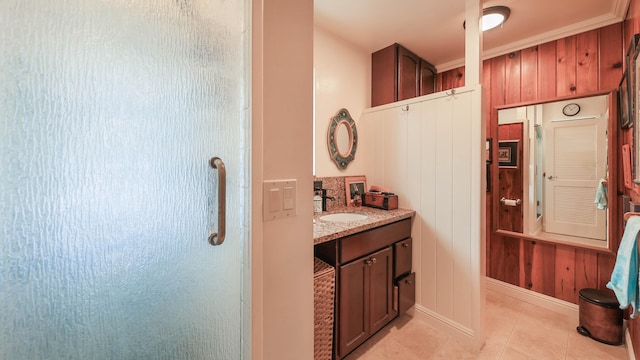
(624, 278)
(601, 195)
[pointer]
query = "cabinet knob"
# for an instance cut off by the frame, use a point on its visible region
(408, 282)
(373, 260)
(405, 245)
(367, 262)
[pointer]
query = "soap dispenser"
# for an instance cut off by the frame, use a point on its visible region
(317, 202)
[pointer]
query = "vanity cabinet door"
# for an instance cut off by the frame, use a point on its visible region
(366, 298)
(381, 289)
(353, 324)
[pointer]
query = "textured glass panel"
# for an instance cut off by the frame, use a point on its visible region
(109, 113)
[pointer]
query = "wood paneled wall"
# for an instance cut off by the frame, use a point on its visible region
(510, 181)
(580, 64)
(632, 26)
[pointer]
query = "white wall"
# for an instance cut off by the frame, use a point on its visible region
(282, 250)
(342, 80)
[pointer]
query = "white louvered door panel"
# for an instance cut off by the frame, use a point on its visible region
(572, 178)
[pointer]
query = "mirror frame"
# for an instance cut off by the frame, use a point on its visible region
(614, 218)
(342, 160)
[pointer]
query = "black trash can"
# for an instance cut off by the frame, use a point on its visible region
(600, 316)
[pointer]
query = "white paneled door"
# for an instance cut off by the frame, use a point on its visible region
(575, 156)
(109, 114)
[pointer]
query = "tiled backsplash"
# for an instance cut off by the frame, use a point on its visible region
(335, 188)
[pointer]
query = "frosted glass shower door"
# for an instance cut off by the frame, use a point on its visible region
(109, 114)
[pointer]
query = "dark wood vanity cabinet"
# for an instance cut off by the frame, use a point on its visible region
(398, 74)
(371, 267)
(366, 298)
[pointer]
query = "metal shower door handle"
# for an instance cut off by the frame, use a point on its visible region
(218, 238)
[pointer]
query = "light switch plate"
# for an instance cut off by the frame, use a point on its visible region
(279, 199)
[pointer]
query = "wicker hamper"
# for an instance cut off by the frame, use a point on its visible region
(324, 288)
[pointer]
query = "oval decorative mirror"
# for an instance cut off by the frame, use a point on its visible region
(342, 139)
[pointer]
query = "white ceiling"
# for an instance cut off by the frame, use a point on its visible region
(433, 28)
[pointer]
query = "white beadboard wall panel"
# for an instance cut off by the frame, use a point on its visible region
(389, 132)
(443, 221)
(462, 174)
(379, 146)
(478, 223)
(428, 205)
(398, 179)
(414, 186)
(432, 156)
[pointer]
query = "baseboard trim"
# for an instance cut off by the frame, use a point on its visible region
(532, 297)
(627, 340)
(451, 328)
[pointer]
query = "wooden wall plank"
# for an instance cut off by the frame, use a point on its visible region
(605, 268)
(458, 77)
(439, 81)
(495, 249)
(529, 74)
(611, 55)
(511, 182)
(541, 266)
(586, 273)
(512, 260)
(486, 83)
(587, 61)
(547, 71)
(447, 80)
(505, 259)
(565, 273)
(566, 66)
(512, 78)
(498, 82)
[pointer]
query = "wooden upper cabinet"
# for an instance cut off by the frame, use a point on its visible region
(427, 78)
(398, 74)
(384, 76)
(408, 74)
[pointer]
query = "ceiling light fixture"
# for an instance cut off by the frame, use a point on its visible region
(493, 17)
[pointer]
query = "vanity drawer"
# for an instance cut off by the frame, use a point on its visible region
(406, 293)
(366, 242)
(402, 251)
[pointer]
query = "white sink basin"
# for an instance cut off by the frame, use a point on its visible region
(343, 217)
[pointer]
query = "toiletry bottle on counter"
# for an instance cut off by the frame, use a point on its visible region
(317, 203)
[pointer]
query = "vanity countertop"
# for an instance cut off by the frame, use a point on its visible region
(324, 231)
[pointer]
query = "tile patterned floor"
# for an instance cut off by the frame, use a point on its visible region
(515, 330)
